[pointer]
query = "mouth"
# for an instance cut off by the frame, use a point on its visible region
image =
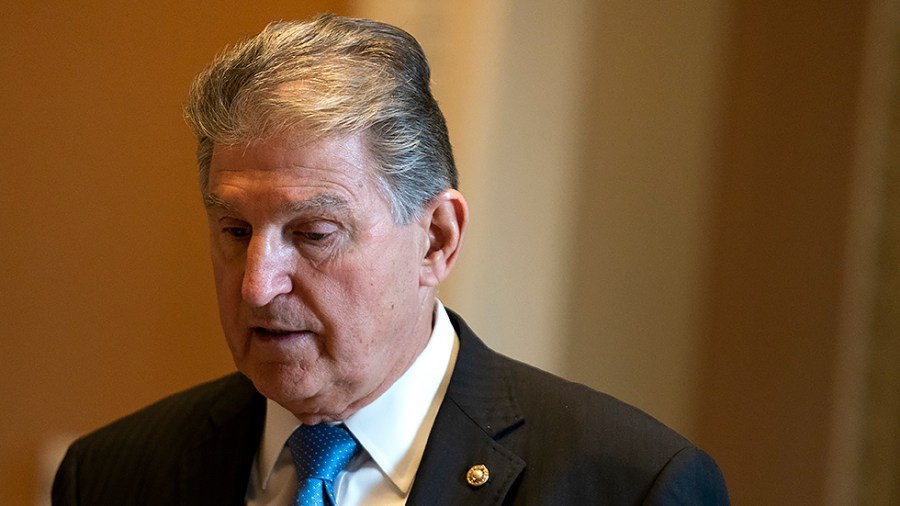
(275, 334)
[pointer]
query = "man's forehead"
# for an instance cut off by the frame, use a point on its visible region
(352, 148)
(317, 202)
(294, 173)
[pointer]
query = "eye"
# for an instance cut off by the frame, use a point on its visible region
(314, 236)
(237, 232)
(316, 232)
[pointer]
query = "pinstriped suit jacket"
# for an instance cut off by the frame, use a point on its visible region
(544, 441)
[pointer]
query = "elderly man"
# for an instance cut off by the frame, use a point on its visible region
(331, 196)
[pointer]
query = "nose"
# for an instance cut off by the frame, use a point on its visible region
(267, 272)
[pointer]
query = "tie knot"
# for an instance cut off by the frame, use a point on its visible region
(321, 451)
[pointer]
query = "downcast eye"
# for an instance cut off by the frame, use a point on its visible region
(316, 232)
(237, 232)
(315, 236)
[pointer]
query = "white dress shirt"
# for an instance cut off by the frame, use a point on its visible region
(392, 431)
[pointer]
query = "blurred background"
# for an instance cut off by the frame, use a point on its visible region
(692, 206)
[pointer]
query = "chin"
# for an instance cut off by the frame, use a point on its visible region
(285, 385)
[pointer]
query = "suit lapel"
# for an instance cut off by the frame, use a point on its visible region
(217, 468)
(478, 410)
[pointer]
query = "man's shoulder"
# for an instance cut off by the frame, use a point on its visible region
(176, 418)
(617, 448)
(201, 437)
(610, 451)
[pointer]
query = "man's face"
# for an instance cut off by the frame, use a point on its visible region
(319, 290)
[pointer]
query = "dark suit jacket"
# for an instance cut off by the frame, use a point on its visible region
(544, 441)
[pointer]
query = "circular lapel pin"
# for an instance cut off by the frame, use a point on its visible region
(477, 475)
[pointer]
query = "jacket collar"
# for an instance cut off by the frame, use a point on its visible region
(216, 469)
(479, 409)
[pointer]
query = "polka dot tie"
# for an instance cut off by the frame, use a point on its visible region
(320, 452)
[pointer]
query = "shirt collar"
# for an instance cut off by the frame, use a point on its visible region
(394, 428)
(280, 424)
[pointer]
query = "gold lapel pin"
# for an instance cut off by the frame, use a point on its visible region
(477, 475)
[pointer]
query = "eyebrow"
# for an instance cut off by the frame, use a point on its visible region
(318, 202)
(213, 201)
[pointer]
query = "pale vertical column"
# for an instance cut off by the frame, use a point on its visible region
(877, 90)
(506, 75)
(651, 113)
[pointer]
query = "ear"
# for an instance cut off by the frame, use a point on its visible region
(444, 219)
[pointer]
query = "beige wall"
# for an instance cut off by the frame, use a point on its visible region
(874, 421)
(783, 202)
(665, 206)
(642, 201)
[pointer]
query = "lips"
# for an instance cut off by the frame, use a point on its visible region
(274, 333)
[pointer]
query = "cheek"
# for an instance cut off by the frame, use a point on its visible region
(379, 301)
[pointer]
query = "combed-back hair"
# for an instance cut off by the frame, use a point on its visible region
(326, 76)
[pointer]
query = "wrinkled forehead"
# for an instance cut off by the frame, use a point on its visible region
(296, 159)
(298, 148)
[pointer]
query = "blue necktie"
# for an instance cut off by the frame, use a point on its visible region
(320, 452)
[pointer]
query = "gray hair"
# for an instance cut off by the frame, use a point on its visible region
(327, 76)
